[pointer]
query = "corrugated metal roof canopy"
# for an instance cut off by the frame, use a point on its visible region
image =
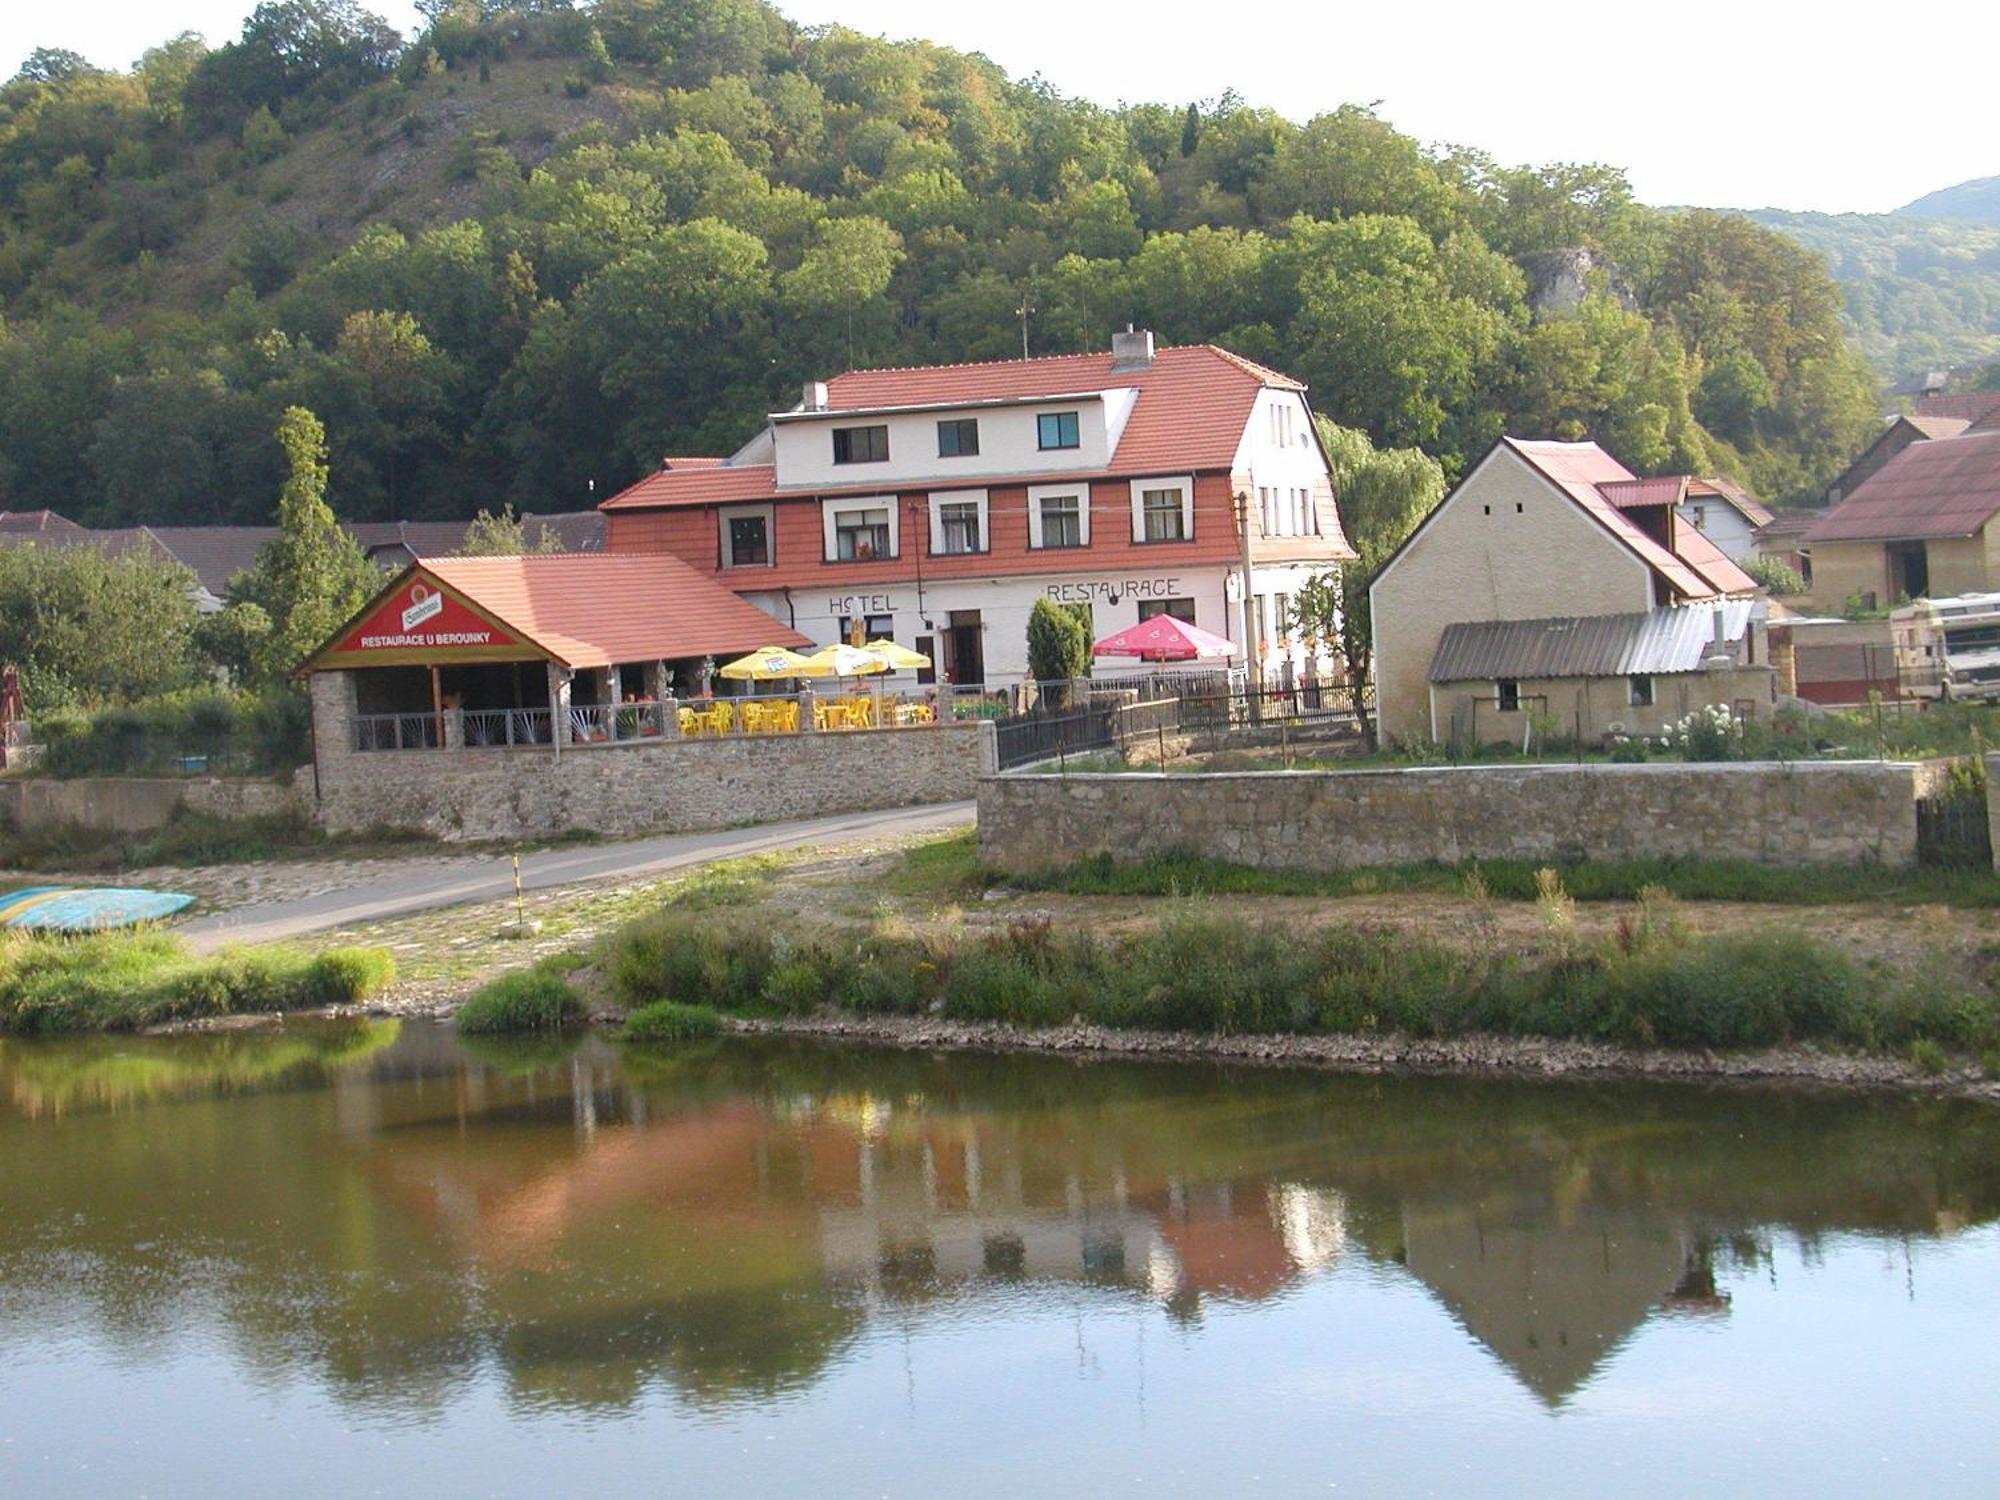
(1658, 641)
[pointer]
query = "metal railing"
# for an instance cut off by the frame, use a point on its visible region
(496, 728)
(398, 732)
(1024, 739)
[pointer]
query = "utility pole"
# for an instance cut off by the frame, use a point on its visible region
(1252, 647)
(1025, 311)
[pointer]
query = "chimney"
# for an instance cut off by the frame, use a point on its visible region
(815, 396)
(1131, 350)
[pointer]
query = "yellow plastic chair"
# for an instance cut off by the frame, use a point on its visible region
(690, 723)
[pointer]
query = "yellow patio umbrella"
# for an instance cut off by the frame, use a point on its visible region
(899, 658)
(841, 661)
(767, 664)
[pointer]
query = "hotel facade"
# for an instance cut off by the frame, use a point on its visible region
(934, 506)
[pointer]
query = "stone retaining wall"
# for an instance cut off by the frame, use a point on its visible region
(649, 786)
(139, 804)
(1825, 813)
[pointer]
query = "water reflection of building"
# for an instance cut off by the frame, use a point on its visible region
(1551, 1299)
(728, 1228)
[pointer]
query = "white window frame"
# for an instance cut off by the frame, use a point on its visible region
(829, 542)
(728, 513)
(1039, 492)
(939, 500)
(1185, 484)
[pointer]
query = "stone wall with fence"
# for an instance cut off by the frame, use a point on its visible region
(661, 784)
(1811, 813)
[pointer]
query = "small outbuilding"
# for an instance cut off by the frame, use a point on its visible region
(549, 650)
(1599, 676)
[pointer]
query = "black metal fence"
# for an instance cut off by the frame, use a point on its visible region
(1023, 739)
(1953, 831)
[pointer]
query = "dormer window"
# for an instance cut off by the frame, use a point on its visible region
(1057, 429)
(860, 445)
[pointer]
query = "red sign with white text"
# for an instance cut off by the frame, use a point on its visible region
(419, 617)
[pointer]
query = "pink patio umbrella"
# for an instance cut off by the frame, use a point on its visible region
(1164, 638)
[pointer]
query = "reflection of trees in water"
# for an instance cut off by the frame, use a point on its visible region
(119, 1072)
(723, 1222)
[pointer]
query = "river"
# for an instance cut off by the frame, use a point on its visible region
(352, 1258)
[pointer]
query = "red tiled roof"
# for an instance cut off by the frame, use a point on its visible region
(37, 523)
(1973, 409)
(1667, 489)
(1789, 523)
(590, 609)
(1709, 560)
(1949, 487)
(1577, 469)
(1193, 404)
(724, 486)
(1194, 401)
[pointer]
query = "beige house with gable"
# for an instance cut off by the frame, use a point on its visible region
(1560, 536)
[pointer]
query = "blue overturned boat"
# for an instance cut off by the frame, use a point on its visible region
(86, 908)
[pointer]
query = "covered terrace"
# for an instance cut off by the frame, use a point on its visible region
(552, 651)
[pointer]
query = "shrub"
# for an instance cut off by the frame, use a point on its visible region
(537, 999)
(1927, 1057)
(1775, 575)
(342, 976)
(667, 1021)
(1707, 734)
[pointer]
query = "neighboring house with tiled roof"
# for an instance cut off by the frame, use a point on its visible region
(1898, 433)
(36, 523)
(216, 554)
(1922, 526)
(935, 504)
(1974, 408)
(1548, 539)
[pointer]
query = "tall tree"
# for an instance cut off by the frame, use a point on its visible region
(1384, 495)
(313, 575)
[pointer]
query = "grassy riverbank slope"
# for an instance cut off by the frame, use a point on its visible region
(129, 981)
(1649, 982)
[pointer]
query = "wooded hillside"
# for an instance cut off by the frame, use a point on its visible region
(540, 246)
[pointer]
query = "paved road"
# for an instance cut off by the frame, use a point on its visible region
(490, 877)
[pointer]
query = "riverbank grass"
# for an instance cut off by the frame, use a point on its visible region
(1648, 983)
(128, 981)
(538, 999)
(949, 868)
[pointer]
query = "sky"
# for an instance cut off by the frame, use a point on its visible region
(1729, 103)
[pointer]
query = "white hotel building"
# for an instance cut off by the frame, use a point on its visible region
(934, 505)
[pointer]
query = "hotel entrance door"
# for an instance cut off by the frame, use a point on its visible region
(964, 652)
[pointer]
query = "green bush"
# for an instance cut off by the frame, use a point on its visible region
(667, 1021)
(537, 999)
(342, 976)
(249, 734)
